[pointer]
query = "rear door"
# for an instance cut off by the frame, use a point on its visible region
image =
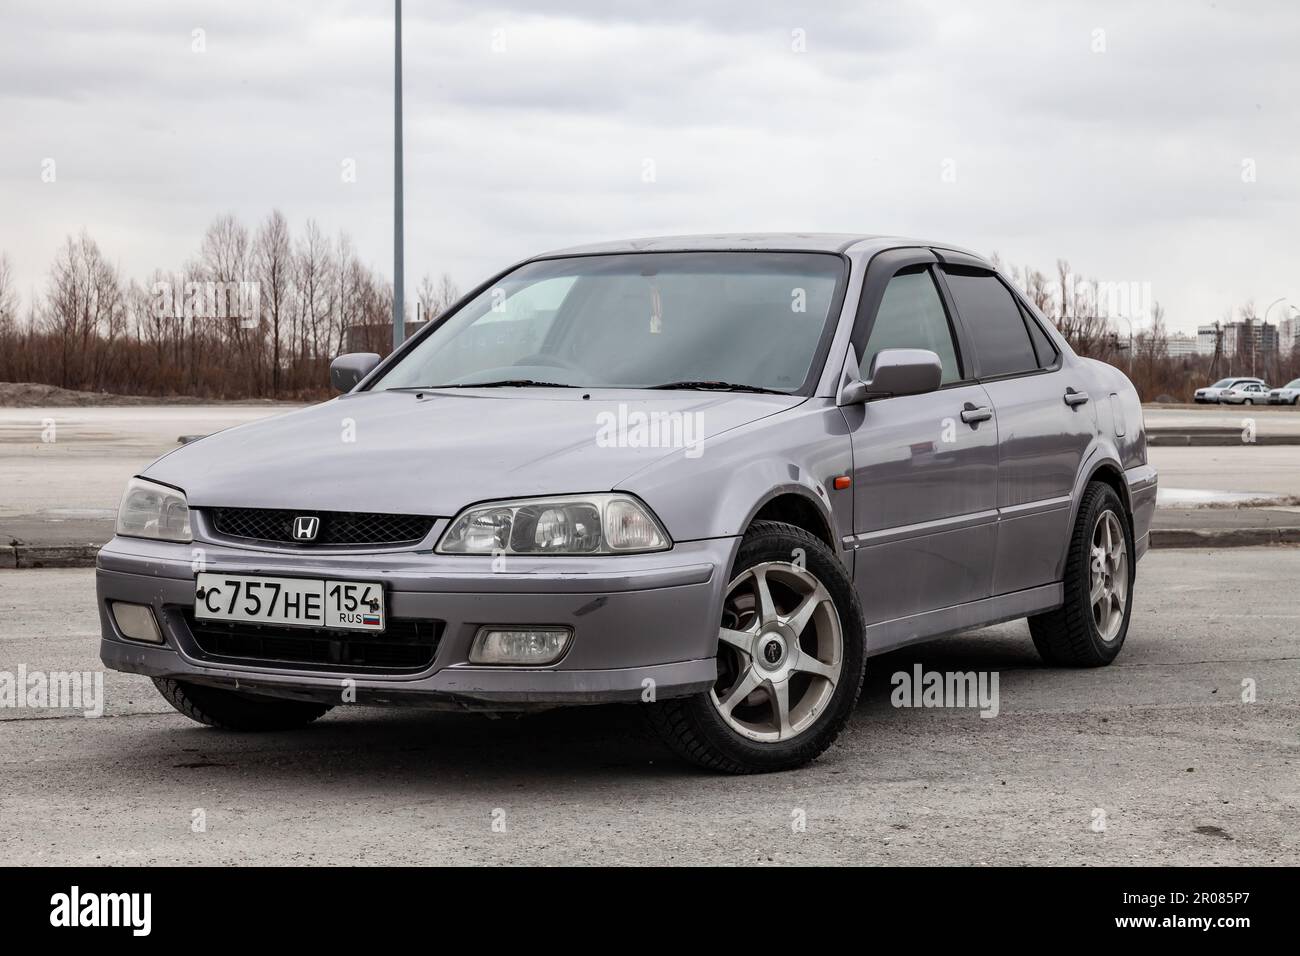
(925, 466)
(1046, 422)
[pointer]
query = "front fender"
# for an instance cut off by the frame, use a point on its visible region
(717, 494)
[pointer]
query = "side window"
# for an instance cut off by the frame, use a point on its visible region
(912, 316)
(992, 319)
(1043, 347)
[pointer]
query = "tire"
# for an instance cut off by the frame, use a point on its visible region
(1249, 401)
(1076, 633)
(745, 733)
(232, 710)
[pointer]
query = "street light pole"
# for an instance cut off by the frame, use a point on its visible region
(399, 306)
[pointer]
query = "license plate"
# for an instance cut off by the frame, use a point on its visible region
(302, 602)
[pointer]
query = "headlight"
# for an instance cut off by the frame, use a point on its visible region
(574, 524)
(150, 510)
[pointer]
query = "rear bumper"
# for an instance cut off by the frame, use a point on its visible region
(640, 622)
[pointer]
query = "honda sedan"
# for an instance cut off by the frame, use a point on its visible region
(711, 476)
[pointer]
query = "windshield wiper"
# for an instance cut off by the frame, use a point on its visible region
(505, 383)
(719, 387)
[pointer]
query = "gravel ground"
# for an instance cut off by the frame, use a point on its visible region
(1160, 747)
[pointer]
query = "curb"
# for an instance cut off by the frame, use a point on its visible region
(1214, 437)
(1223, 537)
(25, 556)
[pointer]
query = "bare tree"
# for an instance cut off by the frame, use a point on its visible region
(273, 266)
(447, 294)
(225, 260)
(313, 282)
(427, 298)
(84, 309)
(8, 294)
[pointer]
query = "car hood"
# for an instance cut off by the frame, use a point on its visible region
(436, 452)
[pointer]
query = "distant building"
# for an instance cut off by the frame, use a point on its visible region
(1239, 338)
(1205, 339)
(1259, 338)
(1288, 335)
(1181, 345)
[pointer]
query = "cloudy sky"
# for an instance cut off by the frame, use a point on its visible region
(1146, 142)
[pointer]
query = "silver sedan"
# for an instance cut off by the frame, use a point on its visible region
(710, 476)
(1288, 394)
(1245, 393)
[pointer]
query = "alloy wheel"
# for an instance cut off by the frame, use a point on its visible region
(1109, 578)
(780, 652)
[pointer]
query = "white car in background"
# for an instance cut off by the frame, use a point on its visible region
(1247, 393)
(1288, 394)
(1212, 393)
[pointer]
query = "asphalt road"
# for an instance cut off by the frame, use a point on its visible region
(1160, 747)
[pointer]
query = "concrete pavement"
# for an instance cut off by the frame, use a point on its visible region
(62, 471)
(1159, 750)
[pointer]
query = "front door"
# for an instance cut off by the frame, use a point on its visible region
(924, 466)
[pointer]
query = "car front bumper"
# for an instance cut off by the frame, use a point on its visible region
(642, 624)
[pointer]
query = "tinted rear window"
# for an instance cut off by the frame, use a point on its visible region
(992, 318)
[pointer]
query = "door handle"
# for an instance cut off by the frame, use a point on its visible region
(1073, 398)
(974, 414)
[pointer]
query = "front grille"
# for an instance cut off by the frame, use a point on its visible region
(337, 528)
(404, 647)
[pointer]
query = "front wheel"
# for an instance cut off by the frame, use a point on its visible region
(233, 710)
(791, 659)
(1089, 628)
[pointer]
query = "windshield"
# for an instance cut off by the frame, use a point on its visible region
(1294, 383)
(685, 319)
(1223, 383)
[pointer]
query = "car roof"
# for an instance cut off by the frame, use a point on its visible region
(838, 242)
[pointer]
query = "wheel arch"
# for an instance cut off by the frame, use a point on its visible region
(1104, 467)
(793, 505)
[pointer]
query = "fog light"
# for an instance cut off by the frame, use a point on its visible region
(136, 621)
(537, 645)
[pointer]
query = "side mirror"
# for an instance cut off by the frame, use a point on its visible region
(896, 372)
(347, 370)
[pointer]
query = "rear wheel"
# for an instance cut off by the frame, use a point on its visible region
(233, 710)
(791, 659)
(1089, 628)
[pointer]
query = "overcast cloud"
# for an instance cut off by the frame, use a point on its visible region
(1128, 162)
